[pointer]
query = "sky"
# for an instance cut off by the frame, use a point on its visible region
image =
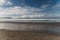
(15, 8)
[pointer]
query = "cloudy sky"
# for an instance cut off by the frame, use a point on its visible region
(29, 7)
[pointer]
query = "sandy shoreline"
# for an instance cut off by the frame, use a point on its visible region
(26, 35)
(49, 34)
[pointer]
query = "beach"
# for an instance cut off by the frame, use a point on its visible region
(29, 31)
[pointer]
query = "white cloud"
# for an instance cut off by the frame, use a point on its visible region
(45, 6)
(18, 10)
(2, 2)
(57, 5)
(5, 2)
(8, 3)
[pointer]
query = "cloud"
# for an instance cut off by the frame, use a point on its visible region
(8, 3)
(5, 3)
(18, 10)
(45, 6)
(57, 5)
(2, 2)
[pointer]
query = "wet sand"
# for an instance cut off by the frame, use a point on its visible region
(26, 35)
(31, 34)
(50, 27)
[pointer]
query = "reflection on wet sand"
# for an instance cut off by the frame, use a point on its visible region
(26, 35)
(49, 27)
(29, 31)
